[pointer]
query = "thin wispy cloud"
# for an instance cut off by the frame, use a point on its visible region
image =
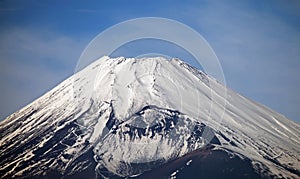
(86, 10)
(32, 62)
(4, 10)
(259, 51)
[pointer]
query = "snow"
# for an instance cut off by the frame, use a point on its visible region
(165, 83)
(189, 162)
(173, 175)
(124, 86)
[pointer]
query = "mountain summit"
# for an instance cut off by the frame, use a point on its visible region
(122, 117)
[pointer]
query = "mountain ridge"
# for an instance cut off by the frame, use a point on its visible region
(128, 101)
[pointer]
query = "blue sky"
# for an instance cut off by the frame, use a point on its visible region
(257, 43)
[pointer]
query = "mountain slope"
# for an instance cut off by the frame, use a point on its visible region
(122, 117)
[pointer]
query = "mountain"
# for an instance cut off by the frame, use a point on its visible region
(145, 118)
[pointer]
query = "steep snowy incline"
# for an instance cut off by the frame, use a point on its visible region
(131, 84)
(102, 116)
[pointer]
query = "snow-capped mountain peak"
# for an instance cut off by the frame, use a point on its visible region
(124, 116)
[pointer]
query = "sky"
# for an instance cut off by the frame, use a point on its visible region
(256, 41)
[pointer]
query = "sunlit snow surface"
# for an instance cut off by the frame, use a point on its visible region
(122, 116)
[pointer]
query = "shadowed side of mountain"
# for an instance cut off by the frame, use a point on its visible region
(205, 163)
